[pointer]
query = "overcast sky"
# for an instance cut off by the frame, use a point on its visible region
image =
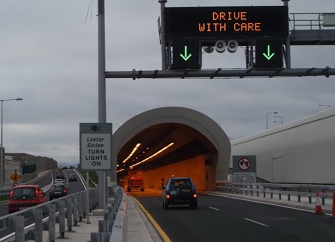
(49, 57)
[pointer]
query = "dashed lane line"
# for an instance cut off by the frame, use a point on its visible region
(253, 221)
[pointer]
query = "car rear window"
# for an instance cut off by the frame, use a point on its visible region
(60, 176)
(58, 188)
(179, 182)
(24, 193)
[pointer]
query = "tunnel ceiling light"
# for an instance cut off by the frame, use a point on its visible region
(158, 152)
(132, 152)
(120, 170)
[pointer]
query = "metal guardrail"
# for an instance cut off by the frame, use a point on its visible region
(4, 192)
(72, 207)
(308, 21)
(111, 229)
(288, 190)
(67, 212)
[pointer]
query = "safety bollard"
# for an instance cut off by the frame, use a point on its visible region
(318, 207)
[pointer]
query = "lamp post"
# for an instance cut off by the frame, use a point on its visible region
(267, 124)
(2, 149)
(281, 119)
(321, 105)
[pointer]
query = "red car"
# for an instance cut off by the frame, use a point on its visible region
(23, 196)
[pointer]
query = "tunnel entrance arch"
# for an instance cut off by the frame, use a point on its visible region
(201, 148)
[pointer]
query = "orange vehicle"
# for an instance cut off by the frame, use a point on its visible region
(135, 180)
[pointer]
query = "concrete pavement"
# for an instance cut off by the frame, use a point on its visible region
(137, 227)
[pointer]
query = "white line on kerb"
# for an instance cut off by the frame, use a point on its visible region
(256, 222)
(214, 208)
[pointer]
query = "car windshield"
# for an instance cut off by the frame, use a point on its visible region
(24, 193)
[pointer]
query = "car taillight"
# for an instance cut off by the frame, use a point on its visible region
(36, 192)
(11, 194)
(195, 195)
(167, 196)
(65, 191)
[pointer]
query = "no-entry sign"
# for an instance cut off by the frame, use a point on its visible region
(244, 163)
(244, 168)
(96, 146)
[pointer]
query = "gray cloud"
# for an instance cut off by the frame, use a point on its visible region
(48, 57)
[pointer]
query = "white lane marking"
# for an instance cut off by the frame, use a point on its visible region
(214, 208)
(256, 222)
(262, 202)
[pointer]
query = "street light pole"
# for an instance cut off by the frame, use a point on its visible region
(267, 124)
(2, 149)
(281, 119)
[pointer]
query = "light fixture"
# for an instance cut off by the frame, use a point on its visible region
(158, 152)
(132, 152)
(322, 105)
(267, 124)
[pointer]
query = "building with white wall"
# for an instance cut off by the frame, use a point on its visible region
(302, 151)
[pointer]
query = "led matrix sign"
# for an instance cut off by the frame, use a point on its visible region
(227, 22)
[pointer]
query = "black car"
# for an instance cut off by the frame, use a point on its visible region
(57, 190)
(73, 177)
(179, 191)
(60, 175)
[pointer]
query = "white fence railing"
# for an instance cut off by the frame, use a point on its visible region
(300, 192)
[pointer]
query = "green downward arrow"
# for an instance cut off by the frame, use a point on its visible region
(185, 56)
(269, 55)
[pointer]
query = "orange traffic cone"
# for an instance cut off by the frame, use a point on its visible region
(318, 208)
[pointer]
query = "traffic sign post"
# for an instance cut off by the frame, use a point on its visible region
(15, 177)
(244, 168)
(186, 55)
(269, 53)
(96, 146)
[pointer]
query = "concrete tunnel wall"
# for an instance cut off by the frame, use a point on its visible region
(200, 122)
(201, 173)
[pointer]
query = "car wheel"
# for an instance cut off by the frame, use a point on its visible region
(185, 191)
(166, 206)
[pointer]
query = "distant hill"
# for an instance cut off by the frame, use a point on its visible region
(66, 164)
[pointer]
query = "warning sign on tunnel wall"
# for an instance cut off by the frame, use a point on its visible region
(96, 146)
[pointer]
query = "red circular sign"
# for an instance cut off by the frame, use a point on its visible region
(244, 163)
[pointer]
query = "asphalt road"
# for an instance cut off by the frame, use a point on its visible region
(220, 219)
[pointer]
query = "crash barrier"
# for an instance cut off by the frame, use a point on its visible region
(29, 224)
(300, 192)
(111, 228)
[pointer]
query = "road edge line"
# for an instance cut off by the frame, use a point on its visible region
(153, 222)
